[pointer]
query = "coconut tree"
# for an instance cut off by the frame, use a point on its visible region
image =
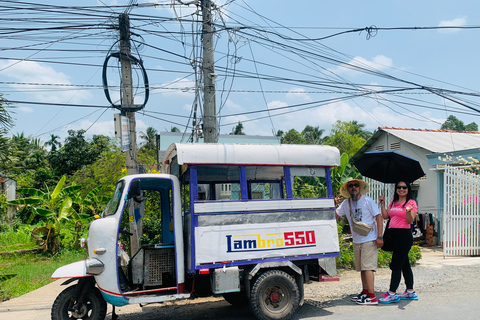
(149, 136)
(53, 142)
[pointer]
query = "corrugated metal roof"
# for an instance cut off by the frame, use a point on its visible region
(437, 140)
(434, 141)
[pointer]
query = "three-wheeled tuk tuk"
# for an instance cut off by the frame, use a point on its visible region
(234, 220)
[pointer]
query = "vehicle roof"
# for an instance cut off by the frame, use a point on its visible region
(253, 154)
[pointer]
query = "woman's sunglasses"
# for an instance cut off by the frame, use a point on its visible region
(402, 187)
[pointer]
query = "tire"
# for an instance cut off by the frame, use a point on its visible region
(236, 299)
(95, 307)
(274, 296)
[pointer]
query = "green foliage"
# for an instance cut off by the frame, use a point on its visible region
(15, 237)
(105, 171)
(293, 137)
(152, 229)
(150, 138)
(312, 135)
(309, 187)
(346, 259)
(453, 123)
(344, 172)
(343, 136)
(148, 157)
(33, 271)
(77, 152)
(4, 277)
(3, 206)
(56, 212)
(6, 120)
(53, 143)
(414, 255)
(238, 129)
(24, 156)
(152, 223)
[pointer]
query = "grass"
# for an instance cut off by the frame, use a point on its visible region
(12, 239)
(32, 271)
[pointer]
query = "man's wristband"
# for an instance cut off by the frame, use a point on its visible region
(380, 238)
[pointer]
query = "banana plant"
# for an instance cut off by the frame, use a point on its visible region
(87, 209)
(54, 208)
(344, 172)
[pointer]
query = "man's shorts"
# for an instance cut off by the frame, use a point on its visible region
(366, 256)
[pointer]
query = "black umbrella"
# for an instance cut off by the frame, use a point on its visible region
(389, 167)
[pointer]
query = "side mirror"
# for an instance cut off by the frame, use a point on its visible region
(134, 191)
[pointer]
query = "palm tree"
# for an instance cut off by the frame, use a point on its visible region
(150, 137)
(53, 142)
(358, 129)
(312, 135)
(6, 120)
(238, 130)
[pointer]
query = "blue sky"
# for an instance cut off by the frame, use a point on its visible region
(296, 76)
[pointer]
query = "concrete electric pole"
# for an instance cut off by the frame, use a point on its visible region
(210, 132)
(127, 91)
(126, 107)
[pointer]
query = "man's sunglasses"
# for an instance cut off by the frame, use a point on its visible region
(356, 185)
(402, 187)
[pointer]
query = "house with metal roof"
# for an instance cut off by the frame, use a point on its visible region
(433, 149)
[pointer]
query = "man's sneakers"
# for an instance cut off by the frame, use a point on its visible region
(367, 299)
(408, 295)
(388, 297)
(359, 296)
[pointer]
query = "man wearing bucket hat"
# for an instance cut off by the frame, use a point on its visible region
(363, 217)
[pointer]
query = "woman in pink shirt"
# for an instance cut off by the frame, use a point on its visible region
(401, 212)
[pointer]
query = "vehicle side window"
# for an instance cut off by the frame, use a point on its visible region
(265, 182)
(308, 182)
(218, 183)
(265, 190)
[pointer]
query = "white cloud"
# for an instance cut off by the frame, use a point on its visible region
(232, 106)
(379, 62)
(457, 22)
(25, 109)
(366, 112)
(39, 73)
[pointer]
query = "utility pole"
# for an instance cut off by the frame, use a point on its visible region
(127, 105)
(127, 91)
(209, 104)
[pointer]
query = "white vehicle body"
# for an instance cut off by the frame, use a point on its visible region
(229, 213)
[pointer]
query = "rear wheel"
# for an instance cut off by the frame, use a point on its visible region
(66, 306)
(274, 296)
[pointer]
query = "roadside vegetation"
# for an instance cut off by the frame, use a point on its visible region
(61, 186)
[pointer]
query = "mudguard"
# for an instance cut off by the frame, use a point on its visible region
(72, 270)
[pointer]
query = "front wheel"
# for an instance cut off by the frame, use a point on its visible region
(66, 306)
(274, 296)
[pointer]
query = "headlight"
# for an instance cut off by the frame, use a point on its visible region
(94, 266)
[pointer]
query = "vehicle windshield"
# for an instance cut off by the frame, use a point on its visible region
(112, 205)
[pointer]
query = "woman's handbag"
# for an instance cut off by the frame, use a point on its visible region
(359, 227)
(387, 238)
